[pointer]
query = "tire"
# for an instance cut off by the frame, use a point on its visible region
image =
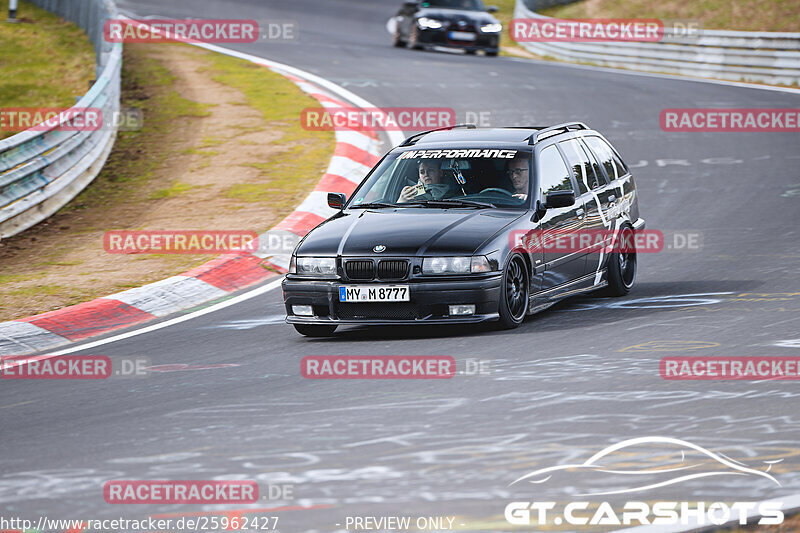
(413, 38)
(314, 330)
(492, 54)
(397, 41)
(622, 267)
(470, 52)
(514, 292)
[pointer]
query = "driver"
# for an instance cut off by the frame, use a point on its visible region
(518, 174)
(431, 177)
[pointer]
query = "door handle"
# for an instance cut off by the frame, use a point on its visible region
(580, 213)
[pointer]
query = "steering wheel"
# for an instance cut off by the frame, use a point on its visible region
(497, 189)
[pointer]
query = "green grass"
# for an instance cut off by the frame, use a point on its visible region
(11, 278)
(772, 15)
(293, 171)
(176, 189)
(147, 85)
(39, 49)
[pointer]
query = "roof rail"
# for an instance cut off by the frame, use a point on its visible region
(556, 130)
(416, 136)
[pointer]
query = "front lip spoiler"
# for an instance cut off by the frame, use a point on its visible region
(318, 320)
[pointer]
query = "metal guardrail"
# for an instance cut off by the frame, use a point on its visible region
(40, 171)
(771, 57)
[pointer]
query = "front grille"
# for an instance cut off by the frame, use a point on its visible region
(378, 310)
(392, 269)
(359, 270)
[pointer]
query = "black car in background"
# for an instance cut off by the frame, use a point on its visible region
(440, 231)
(464, 24)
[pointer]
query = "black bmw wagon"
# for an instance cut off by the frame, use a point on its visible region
(465, 225)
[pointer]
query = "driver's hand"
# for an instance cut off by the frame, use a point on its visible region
(407, 194)
(520, 196)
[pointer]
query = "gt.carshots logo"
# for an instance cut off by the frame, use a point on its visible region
(619, 472)
(187, 492)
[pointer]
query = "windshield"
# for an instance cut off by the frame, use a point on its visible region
(492, 177)
(469, 5)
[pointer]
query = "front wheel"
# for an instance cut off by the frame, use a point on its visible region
(514, 293)
(314, 330)
(413, 39)
(397, 40)
(622, 265)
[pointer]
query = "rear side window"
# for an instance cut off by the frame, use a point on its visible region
(605, 154)
(582, 167)
(553, 172)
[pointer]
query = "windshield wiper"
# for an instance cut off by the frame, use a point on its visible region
(452, 202)
(373, 204)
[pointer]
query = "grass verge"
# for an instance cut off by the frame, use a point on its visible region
(221, 148)
(37, 50)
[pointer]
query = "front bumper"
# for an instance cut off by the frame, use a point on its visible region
(428, 305)
(489, 42)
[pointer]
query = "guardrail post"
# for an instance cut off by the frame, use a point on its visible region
(12, 11)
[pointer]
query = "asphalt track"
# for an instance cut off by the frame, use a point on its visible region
(567, 383)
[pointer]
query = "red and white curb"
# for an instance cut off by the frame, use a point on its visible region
(355, 154)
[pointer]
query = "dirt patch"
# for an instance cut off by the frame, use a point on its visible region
(200, 139)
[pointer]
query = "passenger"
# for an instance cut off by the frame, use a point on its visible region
(431, 177)
(518, 174)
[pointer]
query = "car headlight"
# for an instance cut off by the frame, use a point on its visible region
(429, 24)
(455, 265)
(492, 28)
(313, 266)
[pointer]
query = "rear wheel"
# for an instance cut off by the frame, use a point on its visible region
(622, 265)
(492, 53)
(314, 330)
(514, 293)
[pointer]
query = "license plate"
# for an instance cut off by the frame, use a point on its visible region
(462, 36)
(372, 293)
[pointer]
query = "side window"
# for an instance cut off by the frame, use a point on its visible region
(553, 172)
(604, 154)
(594, 174)
(579, 163)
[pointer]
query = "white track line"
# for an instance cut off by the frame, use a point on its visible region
(258, 291)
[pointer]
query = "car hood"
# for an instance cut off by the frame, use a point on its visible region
(454, 15)
(406, 231)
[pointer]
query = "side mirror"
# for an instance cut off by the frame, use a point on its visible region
(492, 9)
(336, 200)
(557, 199)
